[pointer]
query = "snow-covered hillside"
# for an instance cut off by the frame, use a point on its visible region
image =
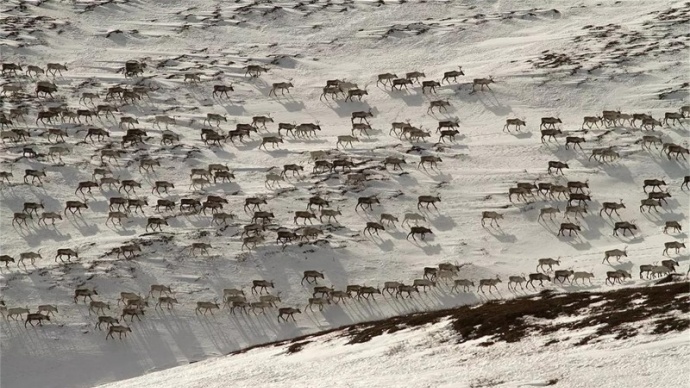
(425, 350)
(567, 61)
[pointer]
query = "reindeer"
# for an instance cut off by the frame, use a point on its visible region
(85, 293)
(46, 88)
(96, 306)
(548, 210)
(256, 120)
(431, 160)
(112, 216)
(282, 86)
(366, 292)
(610, 207)
(464, 283)
(617, 253)
(514, 122)
(421, 230)
(367, 201)
(167, 120)
(53, 68)
(30, 317)
(559, 166)
(549, 122)
(160, 289)
(570, 227)
(548, 261)
(49, 216)
(592, 120)
(262, 285)
(155, 222)
(576, 140)
(313, 275)
(518, 280)
(414, 76)
(330, 213)
(222, 89)
(428, 200)
(661, 196)
(265, 216)
(255, 202)
(167, 300)
(488, 282)
(11, 68)
(362, 116)
(440, 104)
(520, 192)
(540, 277)
(75, 207)
(388, 218)
(673, 245)
(10, 313)
(448, 133)
(580, 197)
(388, 286)
(431, 85)
(670, 264)
(287, 127)
(616, 276)
(101, 134)
(375, 226)
(273, 140)
(255, 71)
(583, 276)
(318, 301)
(481, 82)
(386, 78)
(673, 116)
(610, 117)
(675, 225)
(66, 252)
(207, 307)
(306, 215)
(579, 210)
(356, 92)
(655, 183)
(7, 260)
(34, 174)
(332, 91)
(493, 216)
(680, 151)
(650, 203)
(289, 311)
(625, 226)
(399, 83)
(21, 218)
(648, 123)
(454, 74)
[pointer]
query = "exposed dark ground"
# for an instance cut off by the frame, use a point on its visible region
(613, 313)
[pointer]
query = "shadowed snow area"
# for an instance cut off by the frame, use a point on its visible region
(563, 60)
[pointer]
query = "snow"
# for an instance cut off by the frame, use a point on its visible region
(425, 358)
(309, 45)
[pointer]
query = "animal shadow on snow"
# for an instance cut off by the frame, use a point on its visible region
(500, 235)
(411, 97)
(345, 108)
(425, 246)
(490, 102)
(442, 222)
(290, 104)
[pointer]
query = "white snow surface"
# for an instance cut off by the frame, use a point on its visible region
(429, 358)
(307, 46)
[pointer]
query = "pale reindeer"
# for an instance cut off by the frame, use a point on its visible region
(482, 82)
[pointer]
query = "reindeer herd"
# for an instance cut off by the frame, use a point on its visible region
(127, 205)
